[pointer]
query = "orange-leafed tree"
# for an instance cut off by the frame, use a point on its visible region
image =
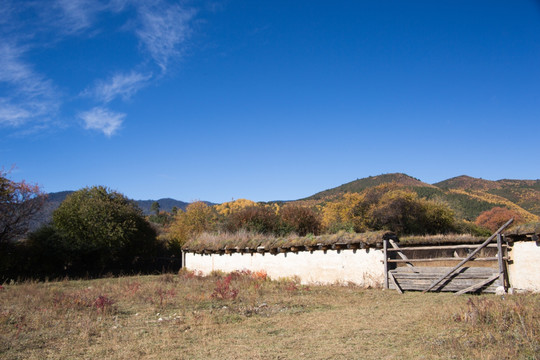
(496, 217)
(19, 203)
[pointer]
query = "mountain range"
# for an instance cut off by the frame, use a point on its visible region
(55, 199)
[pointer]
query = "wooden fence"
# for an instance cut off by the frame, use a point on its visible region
(405, 266)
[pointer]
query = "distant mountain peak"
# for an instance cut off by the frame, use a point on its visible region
(467, 182)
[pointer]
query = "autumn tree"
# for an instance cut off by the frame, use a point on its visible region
(403, 212)
(346, 213)
(388, 207)
(258, 218)
(302, 220)
(19, 203)
(493, 219)
(197, 218)
(227, 208)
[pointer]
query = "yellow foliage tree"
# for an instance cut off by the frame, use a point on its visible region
(197, 218)
(230, 207)
(343, 212)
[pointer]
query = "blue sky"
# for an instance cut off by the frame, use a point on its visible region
(266, 100)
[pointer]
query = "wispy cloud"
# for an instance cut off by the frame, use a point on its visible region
(164, 28)
(30, 94)
(12, 115)
(15, 71)
(75, 15)
(120, 85)
(102, 119)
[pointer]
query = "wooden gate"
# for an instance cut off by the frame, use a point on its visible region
(459, 278)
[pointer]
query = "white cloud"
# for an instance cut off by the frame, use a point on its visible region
(76, 15)
(103, 120)
(12, 115)
(120, 85)
(164, 28)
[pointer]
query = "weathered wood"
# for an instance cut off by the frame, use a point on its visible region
(313, 247)
(488, 289)
(443, 259)
(419, 277)
(298, 248)
(394, 245)
(478, 285)
(435, 283)
(438, 270)
(442, 247)
(385, 252)
(501, 259)
(434, 272)
(427, 277)
(395, 283)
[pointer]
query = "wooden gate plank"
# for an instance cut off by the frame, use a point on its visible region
(393, 279)
(478, 285)
(405, 258)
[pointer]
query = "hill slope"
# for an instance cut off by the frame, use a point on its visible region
(360, 185)
(466, 195)
(524, 193)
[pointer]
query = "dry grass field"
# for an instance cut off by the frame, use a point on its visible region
(247, 316)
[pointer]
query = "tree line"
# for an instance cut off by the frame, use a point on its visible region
(96, 230)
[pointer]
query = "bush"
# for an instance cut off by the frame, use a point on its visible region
(100, 229)
(256, 219)
(493, 219)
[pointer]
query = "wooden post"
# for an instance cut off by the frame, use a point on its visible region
(501, 261)
(470, 255)
(385, 248)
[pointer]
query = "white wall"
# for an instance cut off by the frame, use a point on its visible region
(524, 272)
(362, 267)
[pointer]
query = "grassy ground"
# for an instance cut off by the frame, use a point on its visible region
(245, 316)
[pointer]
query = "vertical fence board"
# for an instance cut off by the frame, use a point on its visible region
(385, 251)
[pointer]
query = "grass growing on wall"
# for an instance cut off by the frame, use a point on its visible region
(243, 239)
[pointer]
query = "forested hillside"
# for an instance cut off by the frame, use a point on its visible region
(467, 196)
